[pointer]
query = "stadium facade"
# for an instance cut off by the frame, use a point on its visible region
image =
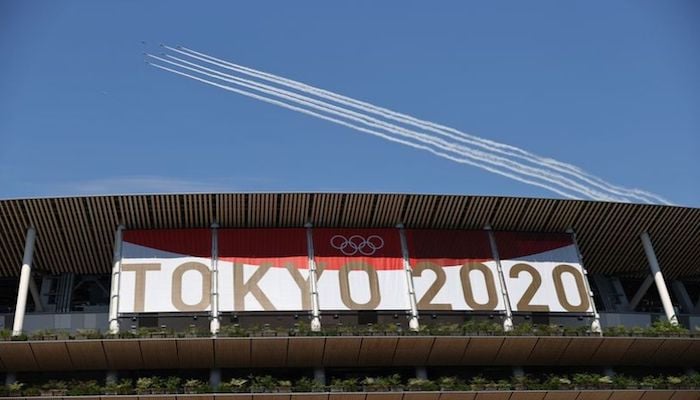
(348, 297)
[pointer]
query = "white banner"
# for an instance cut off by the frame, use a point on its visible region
(543, 273)
(246, 287)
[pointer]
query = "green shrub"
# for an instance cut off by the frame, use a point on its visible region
(83, 388)
(235, 385)
(344, 385)
(416, 384)
(307, 385)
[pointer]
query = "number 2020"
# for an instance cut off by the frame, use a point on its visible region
(523, 304)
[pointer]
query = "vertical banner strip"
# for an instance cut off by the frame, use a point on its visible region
(215, 321)
(313, 278)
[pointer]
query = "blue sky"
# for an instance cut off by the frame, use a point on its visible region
(613, 87)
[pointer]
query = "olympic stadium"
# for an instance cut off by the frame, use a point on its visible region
(348, 296)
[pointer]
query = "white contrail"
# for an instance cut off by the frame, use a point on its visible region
(369, 131)
(440, 129)
(493, 146)
(325, 107)
(553, 178)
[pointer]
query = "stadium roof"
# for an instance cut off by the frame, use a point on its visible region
(76, 233)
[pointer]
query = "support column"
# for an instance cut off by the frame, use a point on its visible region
(24, 277)
(36, 298)
(214, 378)
(320, 375)
(508, 321)
(421, 373)
(682, 296)
(643, 288)
(595, 325)
(116, 278)
(313, 278)
(659, 279)
(413, 322)
(111, 376)
(10, 378)
(215, 323)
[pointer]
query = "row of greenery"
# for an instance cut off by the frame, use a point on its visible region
(269, 384)
(469, 328)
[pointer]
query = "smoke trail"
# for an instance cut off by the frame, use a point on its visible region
(440, 129)
(325, 107)
(369, 131)
(493, 146)
(499, 161)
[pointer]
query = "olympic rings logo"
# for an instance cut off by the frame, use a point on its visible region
(357, 244)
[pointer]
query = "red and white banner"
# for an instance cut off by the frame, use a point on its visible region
(453, 270)
(165, 271)
(543, 272)
(357, 269)
(360, 269)
(263, 270)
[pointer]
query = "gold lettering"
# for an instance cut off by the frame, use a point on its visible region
(344, 276)
(140, 282)
(425, 303)
(524, 302)
(580, 285)
(241, 288)
(468, 291)
(304, 284)
(176, 293)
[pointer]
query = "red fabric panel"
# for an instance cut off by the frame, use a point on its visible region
(519, 244)
(255, 246)
(447, 247)
(380, 248)
(191, 242)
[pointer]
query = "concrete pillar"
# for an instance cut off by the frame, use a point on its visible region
(619, 295)
(313, 279)
(659, 279)
(215, 323)
(508, 320)
(683, 297)
(36, 298)
(421, 373)
(214, 378)
(10, 378)
(111, 377)
(24, 278)
(116, 279)
(413, 322)
(643, 288)
(320, 375)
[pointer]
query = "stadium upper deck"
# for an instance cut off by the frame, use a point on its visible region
(75, 234)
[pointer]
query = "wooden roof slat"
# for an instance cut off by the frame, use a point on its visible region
(76, 233)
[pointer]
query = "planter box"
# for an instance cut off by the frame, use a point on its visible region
(375, 388)
(54, 392)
